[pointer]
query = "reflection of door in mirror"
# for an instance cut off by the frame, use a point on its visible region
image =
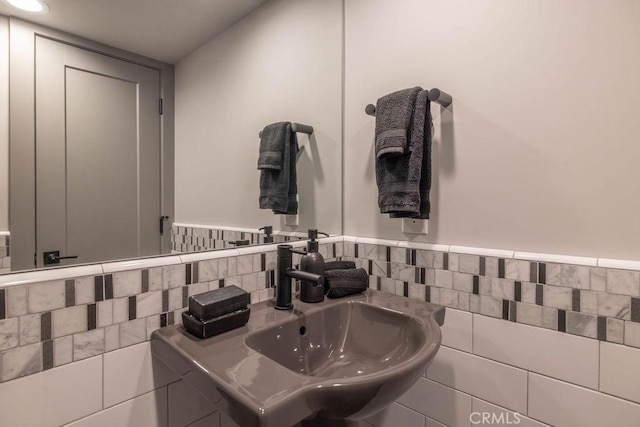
(97, 156)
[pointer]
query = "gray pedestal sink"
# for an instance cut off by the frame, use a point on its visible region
(320, 364)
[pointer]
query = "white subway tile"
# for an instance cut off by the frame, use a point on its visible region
(439, 402)
(619, 263)
(620, 371)
(396, 415)
(499, 416)
(186, 405)
(562, 404)
(380, 242)
(457, 331)
(495, 382)
(132, 371)
(423, 246)
(54, 397)
(558, 259)
(556, 354)
(497, 253)
(147, 410)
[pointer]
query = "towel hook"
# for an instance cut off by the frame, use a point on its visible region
(298, 128)
(435, 95)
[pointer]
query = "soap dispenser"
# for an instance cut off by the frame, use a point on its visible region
(312, 262)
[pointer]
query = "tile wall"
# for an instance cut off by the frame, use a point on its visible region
(552, 339)
(5, 252)
(194, 238)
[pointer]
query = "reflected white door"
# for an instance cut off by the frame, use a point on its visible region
(97, 155)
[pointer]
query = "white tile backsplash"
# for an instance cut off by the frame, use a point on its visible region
(620, 371)
(457, 330)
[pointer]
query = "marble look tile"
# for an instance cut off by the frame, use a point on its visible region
(63, 350)
(448, 298)
(484, 285)
(444, 279)
(575, 276)
(529, 314)
(111, 338)
(581, 324)
(175, 299)
(174, 276)
(463, 282)
(517, 269)
(623, 282)
(29, 329)
(502, 288)
(16, 301)
(250, 282)
(85, 290)
(403, 272)
(87, 344)
(155, 279)
(425, 258)
(474, 303)
(244, 264)
(453, 262)
(558, 297)
(148, 304)
(232, 266)
(417, 291)
(490, 306)
(127, 283)
(121, 309)
(379, 268)
(201, 288)
(46, 296)
(528, 292)
(554, 274)
(610, 305)
(9, 329)
(272, 259)
(21, 361)
(469, 264)
(399, 255)
(589, 302)
(153, 323)
(105, 313)
(133, 332)
(598, 278)
(69, 320)
(632, 334)
(235, 280)
(388, 285)
(430, 277)
(615, 330)
(550, 318)
(491, 268)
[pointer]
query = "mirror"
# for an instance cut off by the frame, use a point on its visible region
(267, 62)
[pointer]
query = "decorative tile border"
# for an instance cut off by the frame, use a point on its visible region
(5, 252)
(195, 238)
(569, 294)
(80, 312)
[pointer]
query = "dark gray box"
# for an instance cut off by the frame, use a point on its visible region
(208, 305)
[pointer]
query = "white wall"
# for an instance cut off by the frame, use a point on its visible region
(281, 63)
(540, 149)
(4, 123)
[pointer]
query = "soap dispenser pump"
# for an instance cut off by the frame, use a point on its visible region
(312, 262)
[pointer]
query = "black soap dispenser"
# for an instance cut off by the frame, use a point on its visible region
(312, 262)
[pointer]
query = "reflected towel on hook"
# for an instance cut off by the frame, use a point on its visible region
(393, 119)
(404, 181)
(277, 165)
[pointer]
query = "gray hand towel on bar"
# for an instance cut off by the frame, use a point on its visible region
(341, 283)
(403, 181)
(393, 118)
(278, 189)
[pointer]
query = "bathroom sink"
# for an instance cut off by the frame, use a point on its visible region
(325, 363)
(346, 340)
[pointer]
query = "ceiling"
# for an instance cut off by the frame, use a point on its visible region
(166, 30)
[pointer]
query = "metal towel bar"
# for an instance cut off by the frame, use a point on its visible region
(298, 128)
(435, 95)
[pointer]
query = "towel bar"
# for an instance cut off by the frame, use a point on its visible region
(298, 128)
(435, 95)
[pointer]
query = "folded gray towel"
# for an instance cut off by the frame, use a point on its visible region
(341, 283)
(272, 144)
(393, 118)
(404, 181)
(339, 265)
(278, 187)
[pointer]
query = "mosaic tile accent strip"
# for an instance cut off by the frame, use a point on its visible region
(5, 253)
(194, 239)
(49, 324)
(593, 302)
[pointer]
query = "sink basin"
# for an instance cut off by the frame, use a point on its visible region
(346, 340)
(320, 364)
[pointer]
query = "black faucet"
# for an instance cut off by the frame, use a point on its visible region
(285, 273)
